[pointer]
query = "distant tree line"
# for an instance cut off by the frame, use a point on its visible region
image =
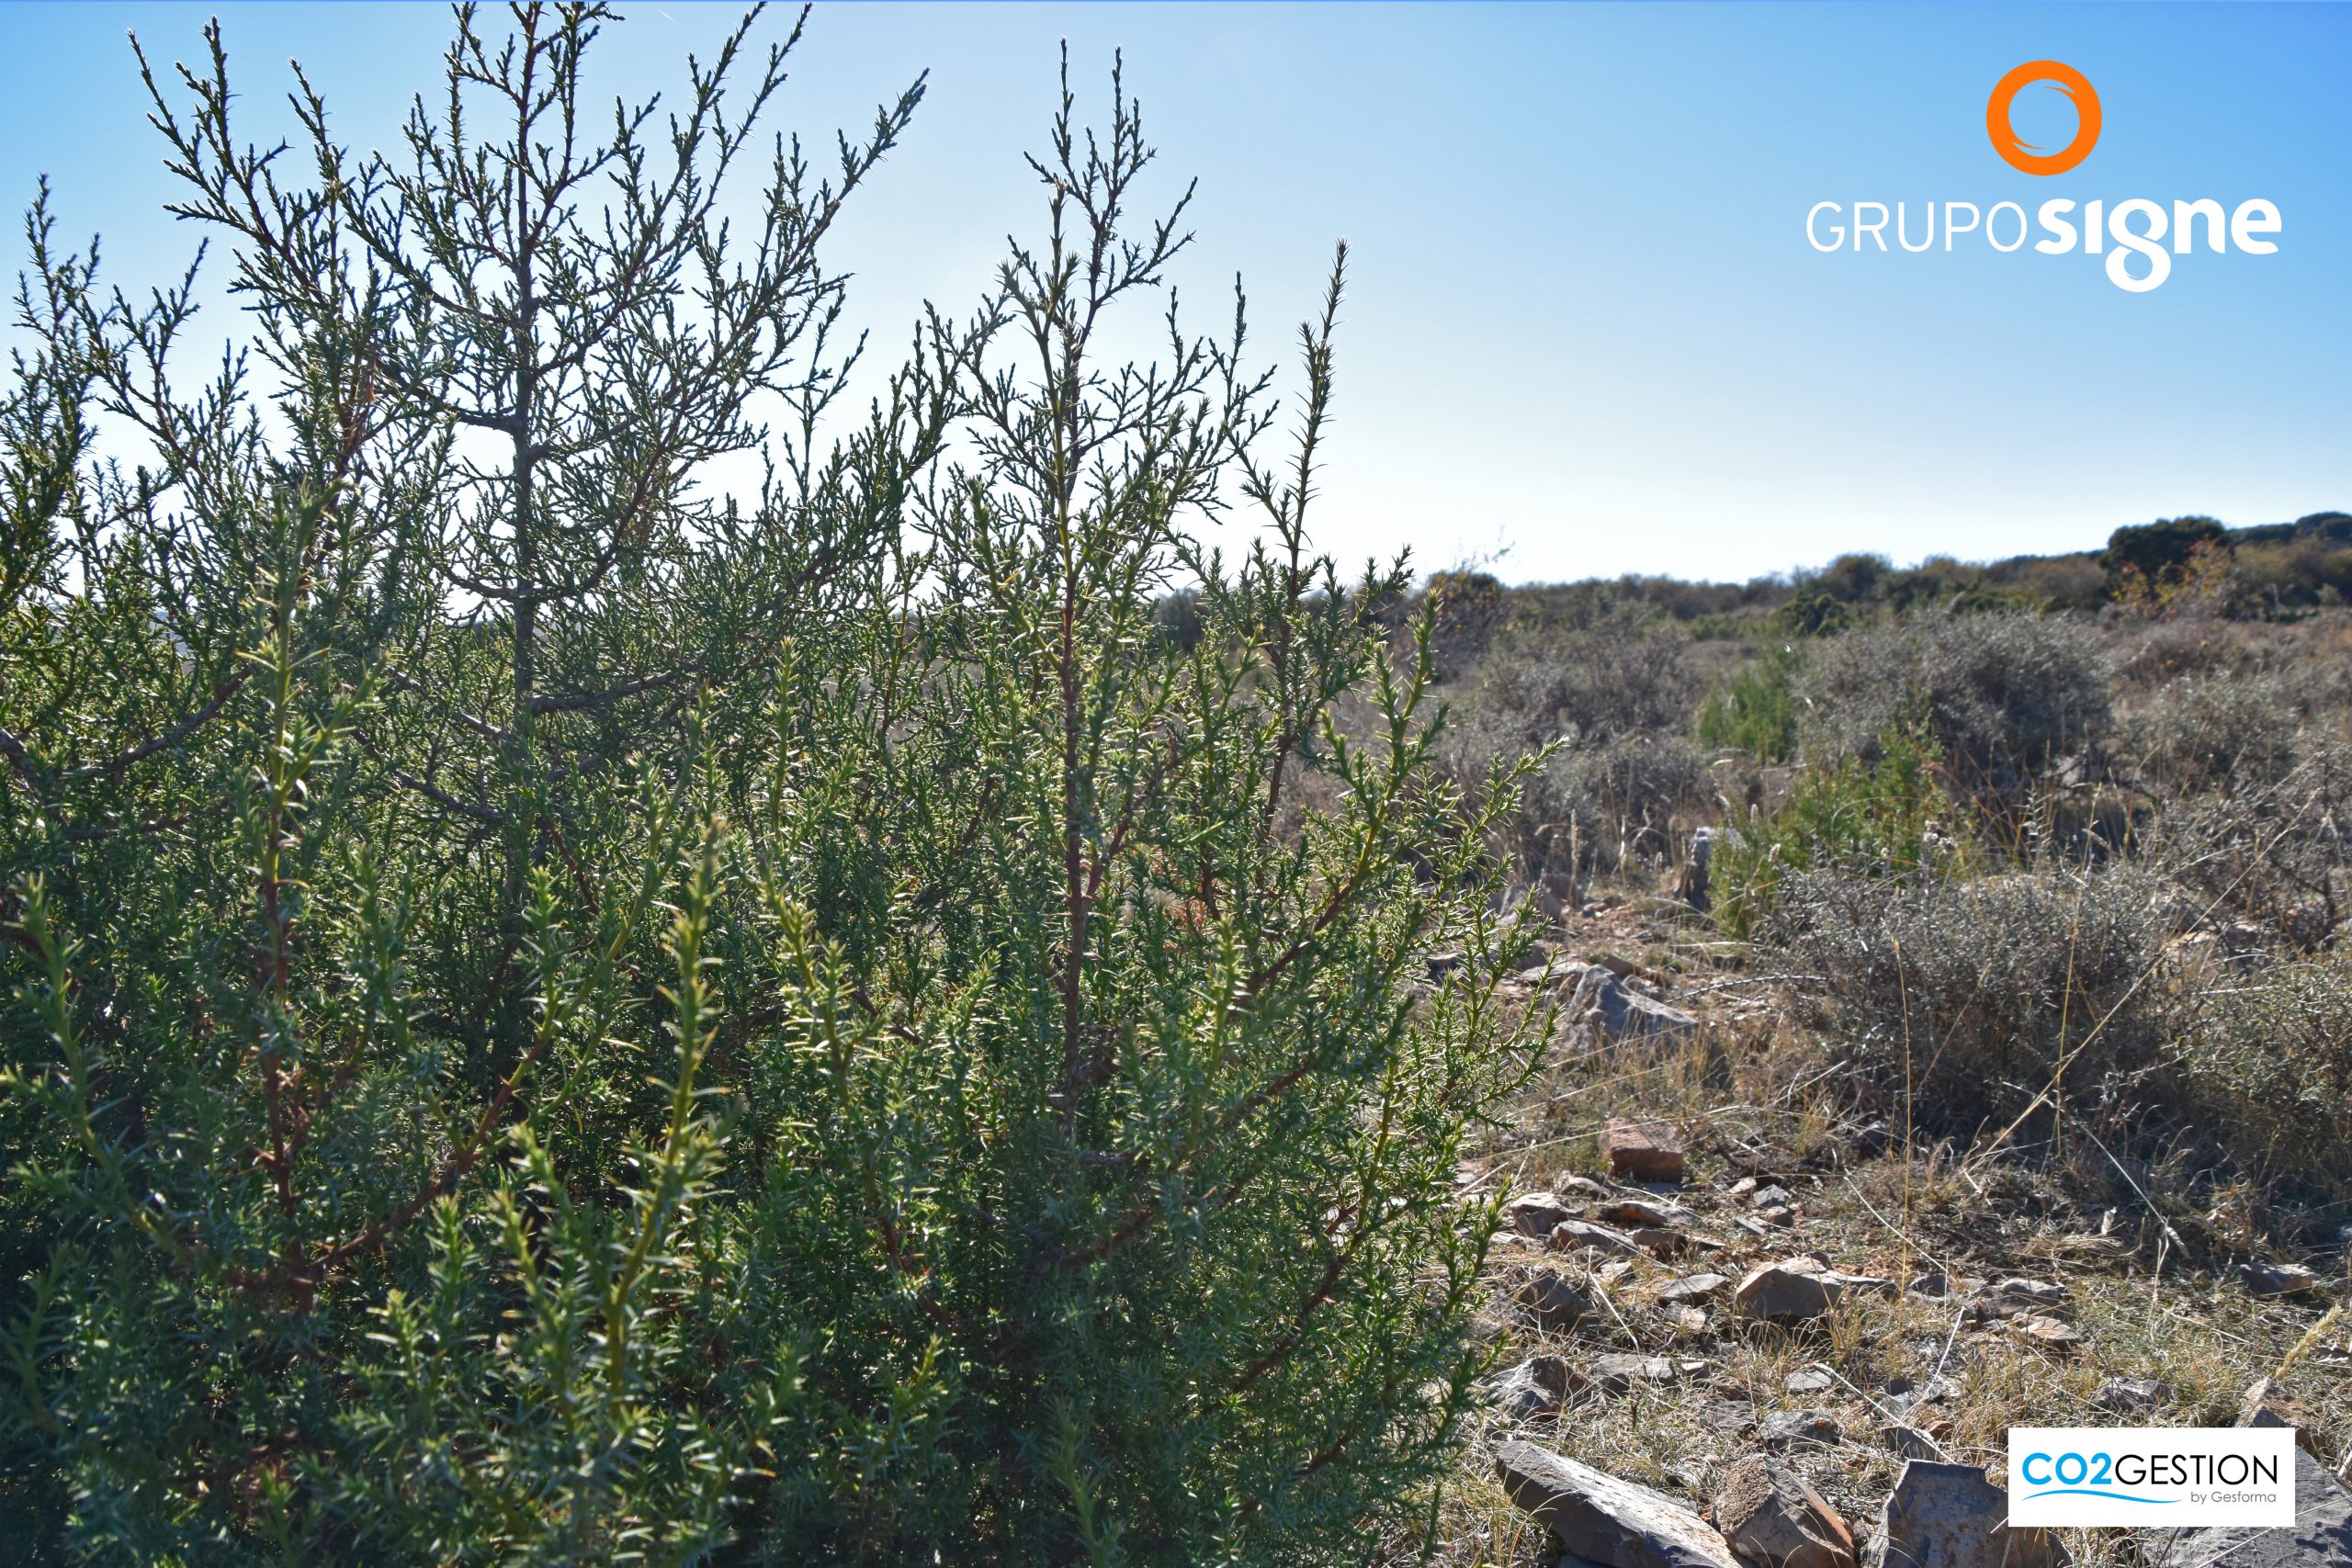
(2271, 571)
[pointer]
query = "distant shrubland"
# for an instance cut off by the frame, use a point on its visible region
(2018, 817)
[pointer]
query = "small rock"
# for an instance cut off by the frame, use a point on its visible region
(1659, 1242)
(1688, 1319)
(1550, 1299)
(2278, 1279)
(2048, 1333)
(1773, 1197)
(1617, 1372)
(1614, 1271)
(1774, 1520)
(1810, 1382)
(1534, 1387)
(1731, 1419)
(1948, 1516)
(2015, 1297)
(1563, 973)
(1778, 1214)
(1642, 1151)
(1798, 1290)
(1913, 1393)
(2130, 1397)
(1695, 1288)
(1742, 1188)
(1534, 1213)
(1800, 1428)
(1621, 1013)
(1639, 1211)
(1603, 1519)
(1577, 1236)
(1583, 1187)
(1906, 1400)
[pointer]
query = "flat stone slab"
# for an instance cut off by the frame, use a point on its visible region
(1623, 1012)
(2051, 1334)
(2017, 1298)
(1799, 1429)
(2267, 1404)
(2322, 1536)
(1660, 1242)
(1582, 1236)
(1695, 1288)
(1605, 1520)
(1617, 1371)
(1633, 1212)
(2130, 1397)
(1948, 1516)
(2278, 1279)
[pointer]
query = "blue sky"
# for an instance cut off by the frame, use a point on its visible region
(1585, 330)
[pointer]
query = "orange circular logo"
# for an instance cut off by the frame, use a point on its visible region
(2025, 155)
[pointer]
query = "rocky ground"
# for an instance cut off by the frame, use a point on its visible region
(1742, 1314)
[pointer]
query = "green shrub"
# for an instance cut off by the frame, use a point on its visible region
(1813, 612)
(1887, 818)
(1756, 711)
(558, 1018)
(2156, 552)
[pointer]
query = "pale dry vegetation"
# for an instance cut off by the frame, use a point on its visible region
(2065, 1000)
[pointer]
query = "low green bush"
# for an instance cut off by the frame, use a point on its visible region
(1886, 818)
(1756, 711)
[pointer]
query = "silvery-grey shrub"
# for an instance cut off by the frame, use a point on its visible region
(2003, 694)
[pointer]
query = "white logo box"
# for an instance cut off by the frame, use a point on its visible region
(2161, 1476)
